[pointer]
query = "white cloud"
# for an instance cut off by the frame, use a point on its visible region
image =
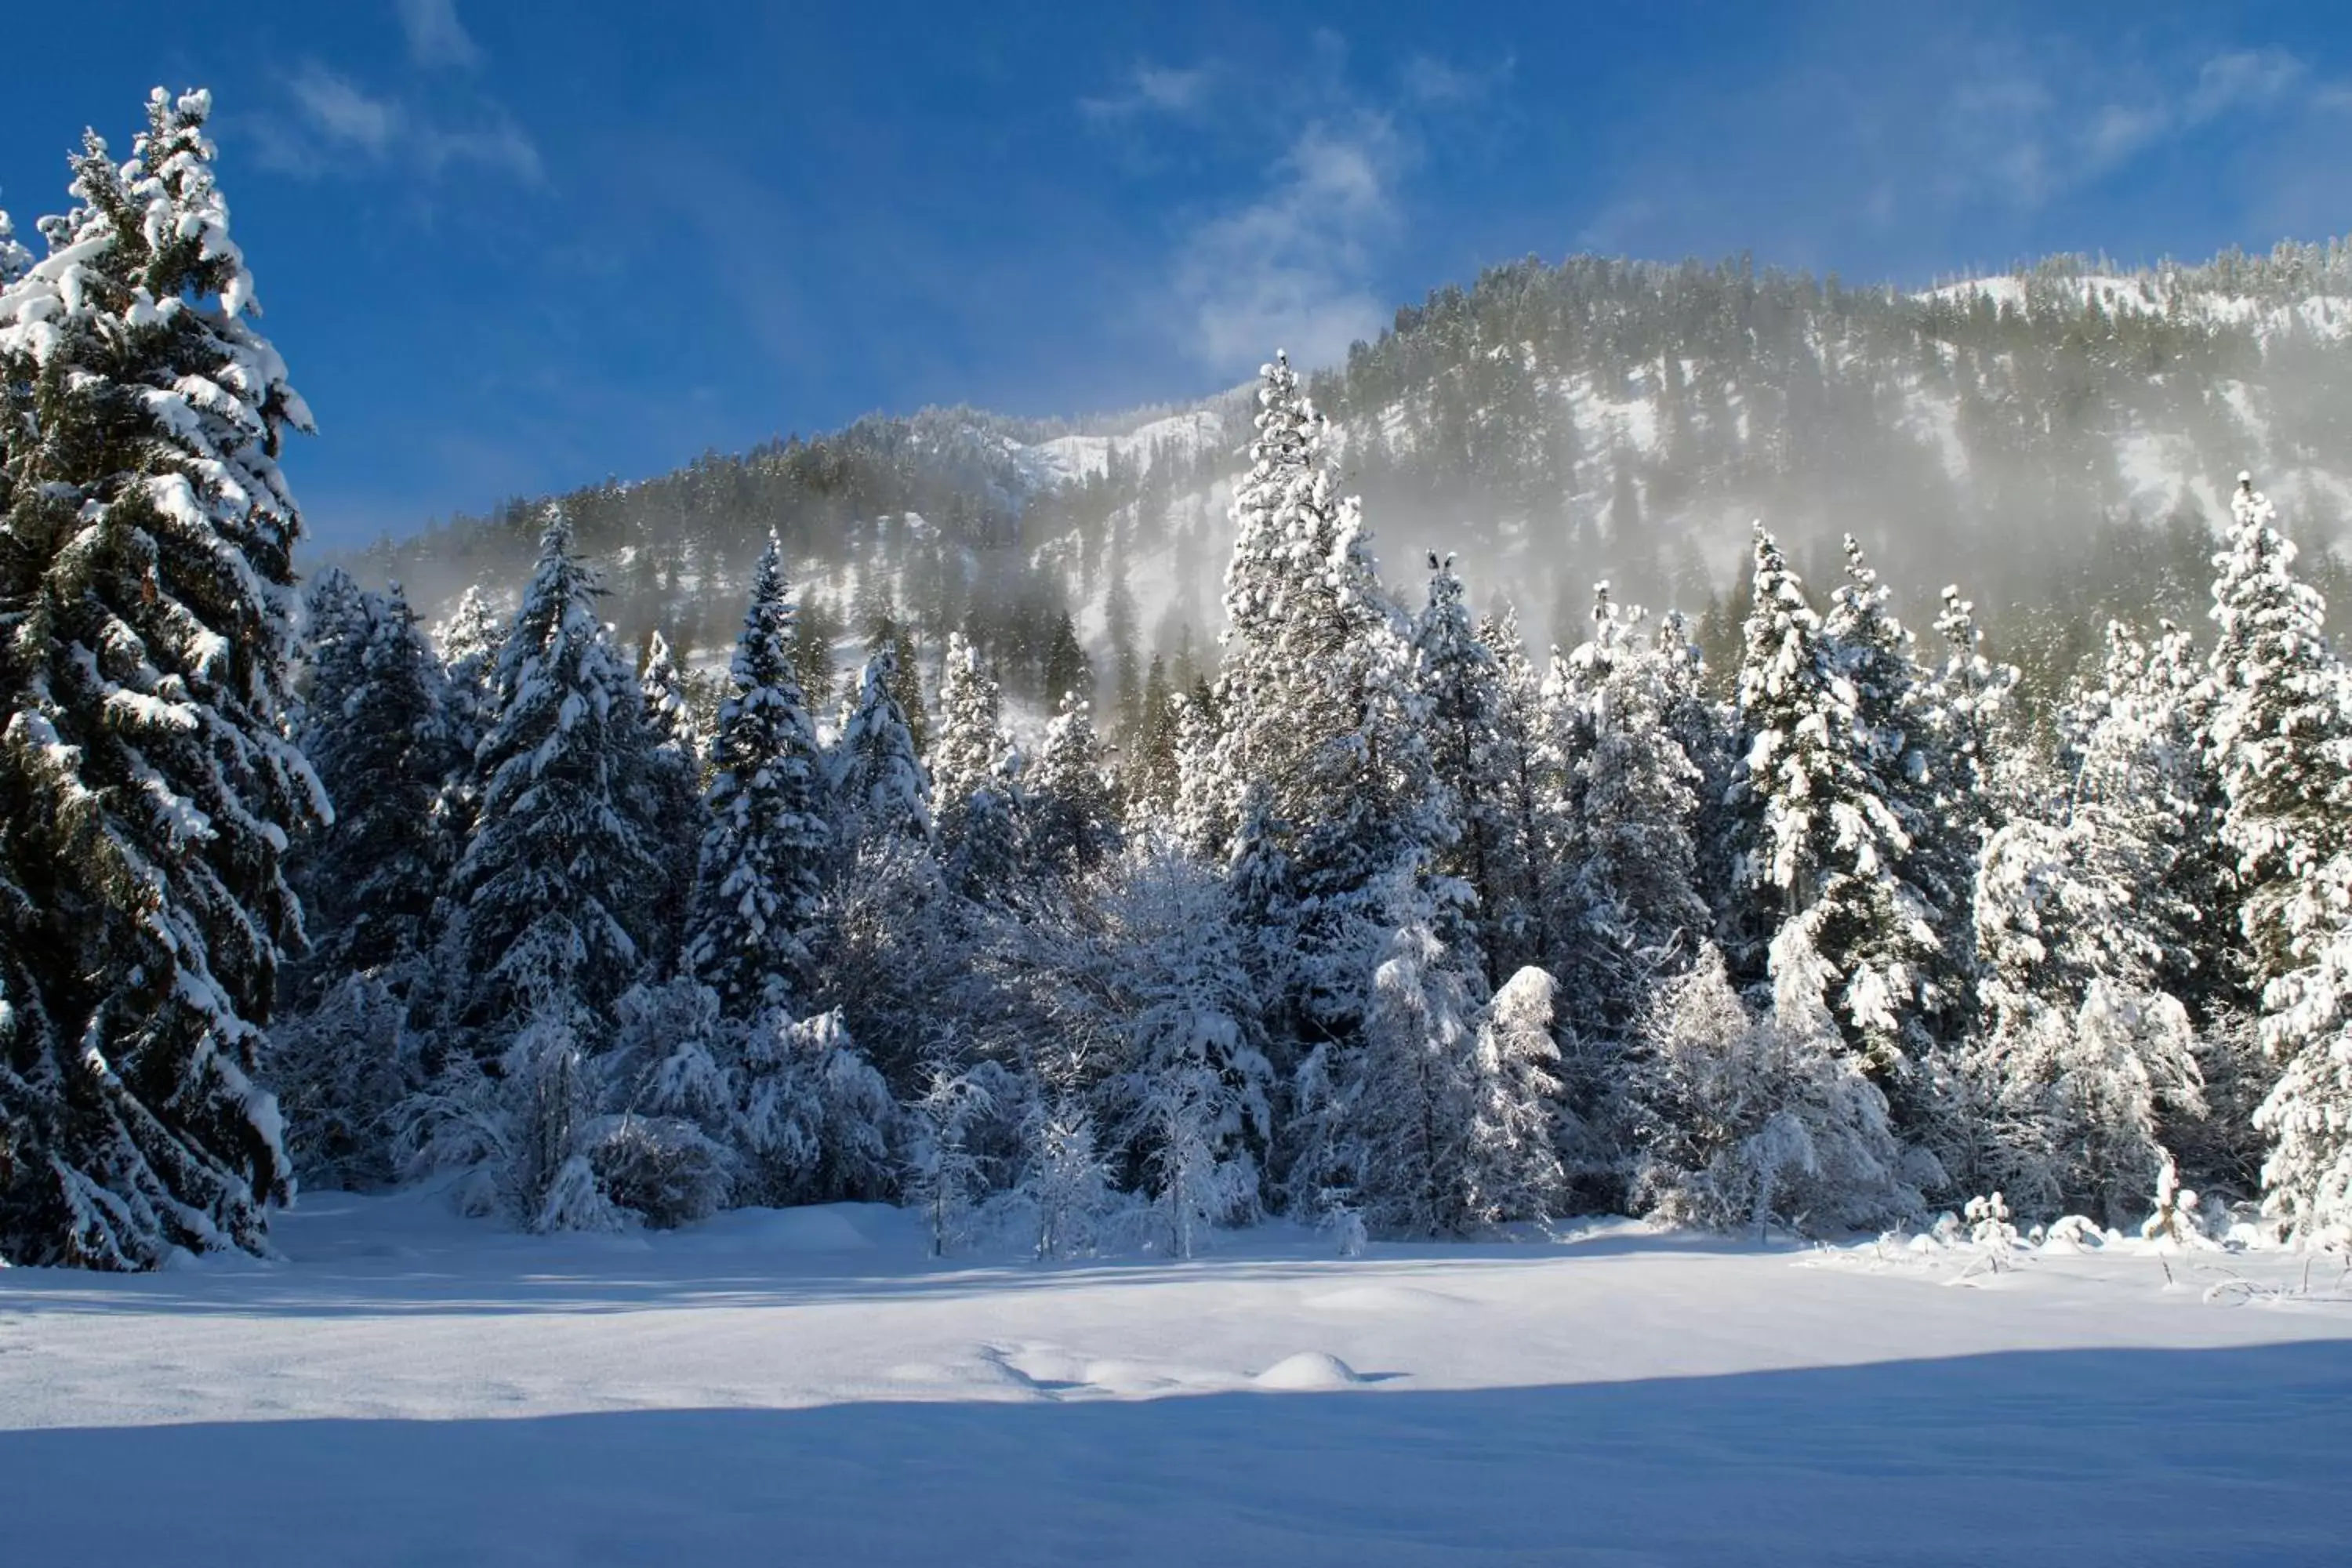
(338, 110)
(1151, 89)
(436, 36)
(2246, 78)
(338, 128)
(1292, 268)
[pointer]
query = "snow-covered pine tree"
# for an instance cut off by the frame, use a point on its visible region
(469, 643)
(1460, 683)
(674, 784)
(974, 778)
(1071, 822)
(1890, 919)
(557, 886)
(1315, 707)
(1389, 1125)
(763, 850)
(147, 788)
(880, 790)
(2282, 730)
(1513, 1165)
(1191, 1103)
(1625, 905)
(820, 1124)
(2080, 1052)
(2282, 733)
(1526, 807)
(1827, 825)
(2137, 761)
(371, 729)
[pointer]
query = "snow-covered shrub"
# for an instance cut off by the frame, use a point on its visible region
(341, 1070)
(945, 1177)
(664, 1168)
(818, 1120)
(1064, 1190)
(1990, 1229)
(1747, 1120)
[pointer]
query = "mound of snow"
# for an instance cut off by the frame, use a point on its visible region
(1308, 1371)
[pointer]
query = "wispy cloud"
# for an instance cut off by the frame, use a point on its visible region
(338, 128)
(1317, 176)
(436, 38)
(1293, 267)
(2026, 141)
(1150, 89)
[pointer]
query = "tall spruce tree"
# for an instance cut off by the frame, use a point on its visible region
(372, 728)
(560, 886)
(1316, 708)
(147, 788)
(1827, 823)
(763, 852)
(880, 790)
(1460, 683)
(2281, 730)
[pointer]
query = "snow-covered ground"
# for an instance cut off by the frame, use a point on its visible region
(807, 1387)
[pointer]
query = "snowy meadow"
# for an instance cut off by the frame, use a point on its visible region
(808, 1385)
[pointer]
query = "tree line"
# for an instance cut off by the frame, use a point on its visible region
(1382, 925)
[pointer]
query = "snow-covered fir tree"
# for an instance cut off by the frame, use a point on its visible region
(2282, 729)
(1390, 1124)
(975, 778)
(1827, 818)
(371, 729)
(1512, 1164)
(763, 851)
(1316, 707)
(1625, 907)
(881, 792)
(147, 787)
(467, 642)
(558, 886)
(1190, 1101)
(2079, 1053)
(1460, 684)
(1071, 822)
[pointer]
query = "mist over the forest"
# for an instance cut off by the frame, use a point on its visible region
(2059, 443)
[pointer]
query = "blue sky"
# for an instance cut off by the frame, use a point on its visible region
(505, 254)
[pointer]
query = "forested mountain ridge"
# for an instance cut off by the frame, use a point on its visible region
(2061, 441)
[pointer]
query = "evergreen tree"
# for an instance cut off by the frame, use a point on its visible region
(372, 730)
(762, 857)
(1623, 892)
(975, 770)
(1827, 823)
(1190, 1101)
(147, 789)
(880, 790)
(1071, 827)
(1068, 671)
(2281, 730)
(557, 886)
(1317, 707)
(1747, 1119)
(673, 781)
(1460, 684)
